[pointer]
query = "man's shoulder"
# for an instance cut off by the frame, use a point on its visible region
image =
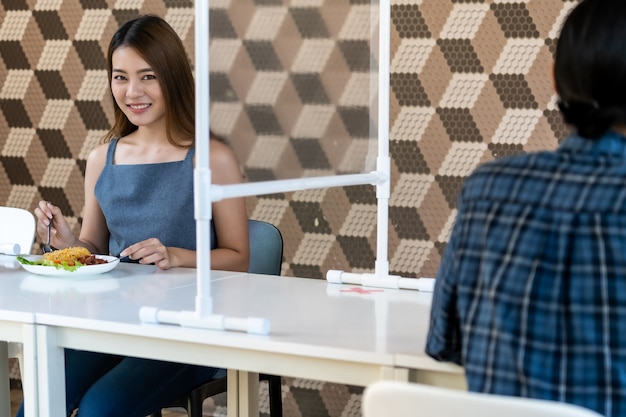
(518, 178)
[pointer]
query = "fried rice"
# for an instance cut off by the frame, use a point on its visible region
(67, 255)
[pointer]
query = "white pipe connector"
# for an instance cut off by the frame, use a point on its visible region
(334, 276)
(252, 325)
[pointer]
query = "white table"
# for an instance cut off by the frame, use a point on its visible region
(23, 296)
(327, 332)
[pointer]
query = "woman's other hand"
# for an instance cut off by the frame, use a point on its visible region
(152, 251)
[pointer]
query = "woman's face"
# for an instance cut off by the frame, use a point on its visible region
(136, 89)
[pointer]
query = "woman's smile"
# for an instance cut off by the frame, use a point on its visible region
(138, 108)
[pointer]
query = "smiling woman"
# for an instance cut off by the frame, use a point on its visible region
(139, 203)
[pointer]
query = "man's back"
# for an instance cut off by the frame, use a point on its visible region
(531, 295)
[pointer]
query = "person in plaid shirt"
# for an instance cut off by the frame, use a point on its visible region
(530, 296)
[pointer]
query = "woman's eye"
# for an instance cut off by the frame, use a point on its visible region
(119, 77)
(149, 77)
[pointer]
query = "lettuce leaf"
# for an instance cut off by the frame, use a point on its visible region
(45, 262)
(25, 261)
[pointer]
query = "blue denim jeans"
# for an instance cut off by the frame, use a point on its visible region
(102, 385)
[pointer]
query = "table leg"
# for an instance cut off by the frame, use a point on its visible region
(51, 373)
(25, 351)
(28, 370)
(242, 394)
(5, 388)
(232, 393)
(248, 394)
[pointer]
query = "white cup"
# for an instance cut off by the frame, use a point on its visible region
(10, 248)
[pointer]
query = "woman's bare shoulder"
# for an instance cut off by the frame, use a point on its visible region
(98, 154)
(224, 163)
(221, 153)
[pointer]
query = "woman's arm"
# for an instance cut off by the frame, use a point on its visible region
(229, 215)
(94, 234)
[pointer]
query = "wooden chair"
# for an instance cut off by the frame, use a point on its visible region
(266, 256)
(403, 399)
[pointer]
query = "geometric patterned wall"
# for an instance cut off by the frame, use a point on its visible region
(470, 82)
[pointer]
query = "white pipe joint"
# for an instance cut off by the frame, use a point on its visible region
(253, 325)
(202, 197)
(334, 276)
(383, 168)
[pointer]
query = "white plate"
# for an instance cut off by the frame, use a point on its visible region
(112, 262)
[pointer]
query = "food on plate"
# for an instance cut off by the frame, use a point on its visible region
(68, 255)
(92, 260)
(73, 255)
(68, 258)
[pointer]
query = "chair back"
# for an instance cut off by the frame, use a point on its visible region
(266, 248)
(17, 226)
(403, 399)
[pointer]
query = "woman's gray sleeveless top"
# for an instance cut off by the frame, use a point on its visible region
(148, 200)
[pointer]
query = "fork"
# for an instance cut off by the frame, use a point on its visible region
(46, 246)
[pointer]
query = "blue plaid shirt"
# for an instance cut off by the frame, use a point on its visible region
(530, 296)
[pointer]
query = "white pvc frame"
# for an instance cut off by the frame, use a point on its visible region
(207, 193)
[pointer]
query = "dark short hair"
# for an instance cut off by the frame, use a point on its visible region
(160, 46)
(590, 67)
